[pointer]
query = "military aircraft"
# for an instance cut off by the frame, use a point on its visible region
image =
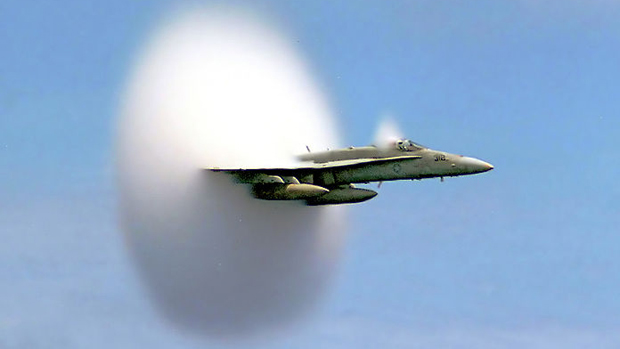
(327, 178)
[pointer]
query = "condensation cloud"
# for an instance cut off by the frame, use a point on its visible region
(388, 132)
(222, 88)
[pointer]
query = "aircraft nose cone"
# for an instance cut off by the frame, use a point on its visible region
(476, 166)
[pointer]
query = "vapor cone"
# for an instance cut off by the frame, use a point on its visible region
(388, 132)
(219, 88)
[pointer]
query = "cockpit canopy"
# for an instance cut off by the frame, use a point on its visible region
(407, 145)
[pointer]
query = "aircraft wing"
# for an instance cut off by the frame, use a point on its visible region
(255, 175)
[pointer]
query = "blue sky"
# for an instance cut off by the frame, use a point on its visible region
(526, 255)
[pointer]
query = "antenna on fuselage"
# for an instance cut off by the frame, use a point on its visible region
(308, 148)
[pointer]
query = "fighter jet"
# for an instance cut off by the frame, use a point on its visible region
(328, 177)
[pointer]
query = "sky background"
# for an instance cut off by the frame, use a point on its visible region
(527, 255)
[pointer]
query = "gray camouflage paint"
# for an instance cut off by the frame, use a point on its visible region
(327, 177)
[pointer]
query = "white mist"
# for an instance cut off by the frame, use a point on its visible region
(221, 88)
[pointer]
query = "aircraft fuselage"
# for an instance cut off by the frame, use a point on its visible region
(398, 165)
(327, 178)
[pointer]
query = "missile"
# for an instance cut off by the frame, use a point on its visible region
(280, 191)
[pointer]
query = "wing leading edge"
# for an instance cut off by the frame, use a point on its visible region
(314, 183)
(314, 167)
